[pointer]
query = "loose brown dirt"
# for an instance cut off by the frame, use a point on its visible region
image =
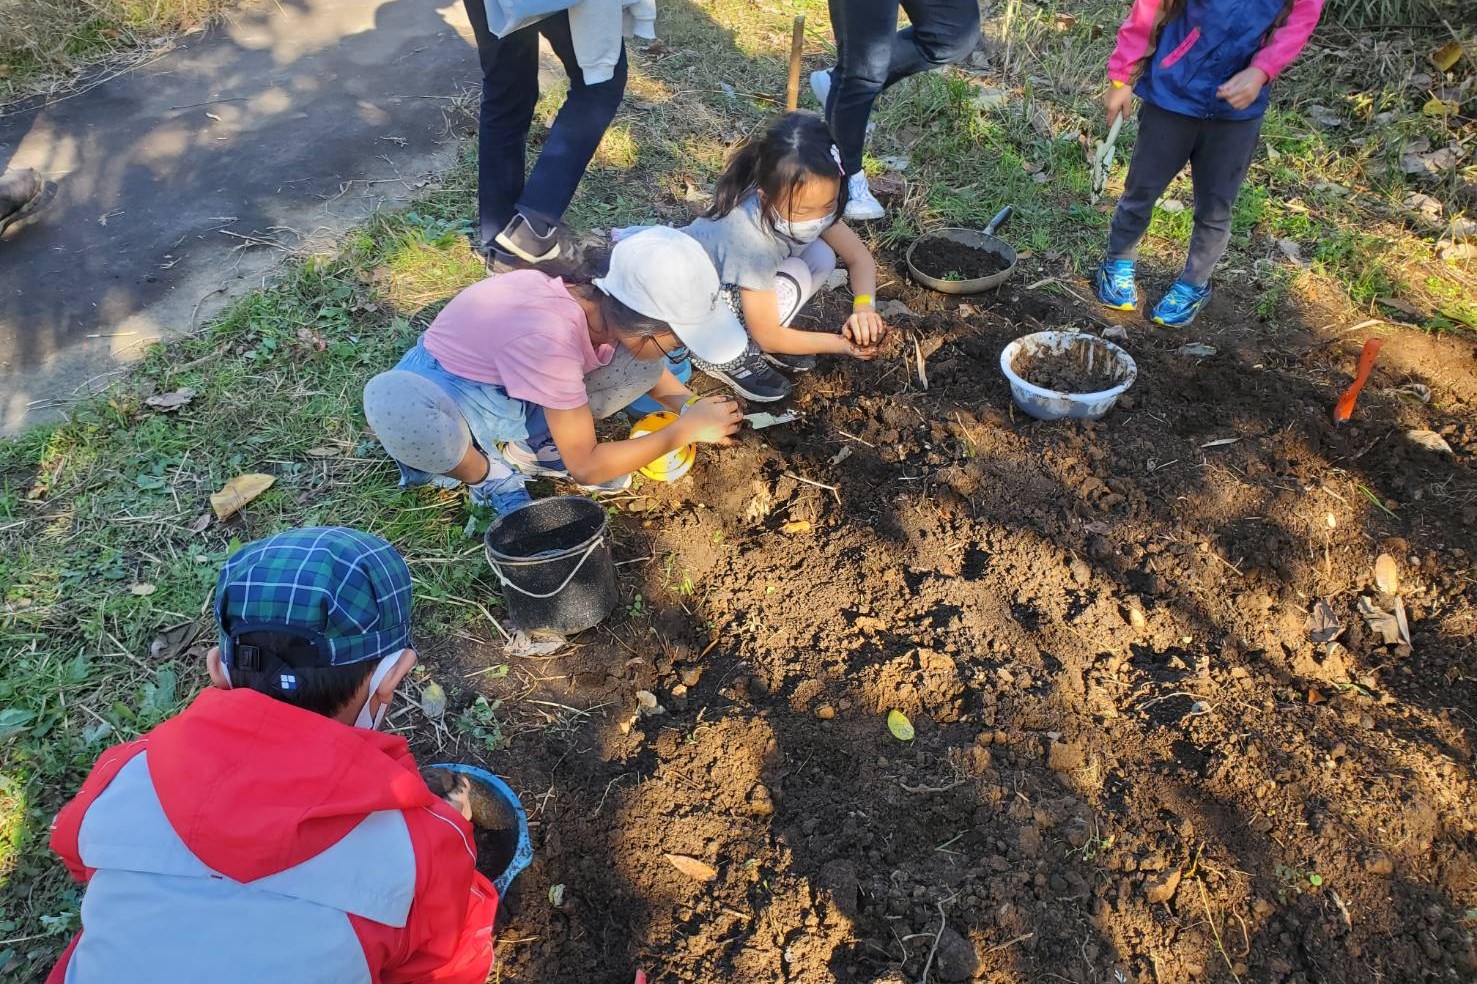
(948, 260)
(1084, 367)
(1131, 762)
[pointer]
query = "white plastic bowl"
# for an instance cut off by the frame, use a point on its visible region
(1045, 404)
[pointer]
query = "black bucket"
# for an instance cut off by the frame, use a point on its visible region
(552, 558)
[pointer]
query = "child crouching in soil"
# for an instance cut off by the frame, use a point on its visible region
(269, 832)
(1202, 68)
(774, 234)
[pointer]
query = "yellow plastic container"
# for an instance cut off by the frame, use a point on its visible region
(669, 467)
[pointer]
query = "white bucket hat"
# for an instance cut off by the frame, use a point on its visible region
(666, 274)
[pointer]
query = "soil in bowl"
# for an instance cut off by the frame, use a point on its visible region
(1081, 368)
(495, 826)
(948, 260)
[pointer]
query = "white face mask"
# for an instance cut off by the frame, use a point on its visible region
(803, 232)
(365, 718)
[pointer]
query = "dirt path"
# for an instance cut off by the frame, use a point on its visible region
(181, 183)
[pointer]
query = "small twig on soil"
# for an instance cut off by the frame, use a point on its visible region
(1227, 563)
(1216, 932)
(1177, 693)
(487, 614)
(601, 805)
(853, 437)
(931, 789)
(820, 485)
(933, 950)
(255, 241)
(1019, 939)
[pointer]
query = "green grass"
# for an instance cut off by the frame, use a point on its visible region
(44, 40)
(107, 501)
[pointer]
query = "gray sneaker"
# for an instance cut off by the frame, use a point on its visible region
(794, 363)
(749, 375)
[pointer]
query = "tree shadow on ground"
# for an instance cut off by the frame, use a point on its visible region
(182, 183)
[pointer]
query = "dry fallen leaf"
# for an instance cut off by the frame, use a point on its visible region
(1441, 107)
(796, 526)
(143, 589)
(1391, 626)
(433, 700)
(201, 521)
(173, 642)
(1196, 350)
(1428, 439)
(1386, 574)
(692, 867)
(171, 401)
(1446, 56)
(237, 493)
(322, 452)
(1220, 443)
(1323, 625)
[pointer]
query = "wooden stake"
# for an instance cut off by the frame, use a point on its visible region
(797, 48)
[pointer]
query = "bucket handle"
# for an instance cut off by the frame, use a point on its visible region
(594, 545)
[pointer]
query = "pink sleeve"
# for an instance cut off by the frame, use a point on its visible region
(1133, 40)
(1287, 41)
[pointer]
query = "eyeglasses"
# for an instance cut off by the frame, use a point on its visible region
(678, 354)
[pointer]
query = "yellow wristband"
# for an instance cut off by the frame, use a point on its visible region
(691, 401)
(861, 299)
(1116, 84)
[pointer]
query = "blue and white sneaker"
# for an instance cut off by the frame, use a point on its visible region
(1178, 308)
(1115, 284)
(500, 493)
(546, 462)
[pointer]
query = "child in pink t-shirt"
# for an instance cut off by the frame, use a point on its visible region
(511, 376)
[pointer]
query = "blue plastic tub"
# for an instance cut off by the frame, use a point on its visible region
(501, 791)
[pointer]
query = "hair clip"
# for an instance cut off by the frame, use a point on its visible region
(836, 156)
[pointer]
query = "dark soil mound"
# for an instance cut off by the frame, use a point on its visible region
(1131, 761)
(948, 260)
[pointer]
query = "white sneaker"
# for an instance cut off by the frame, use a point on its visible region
(820, 86)
(862, 205)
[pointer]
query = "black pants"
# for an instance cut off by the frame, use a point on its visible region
(509, 95)
(1219, 153)
(872, 54)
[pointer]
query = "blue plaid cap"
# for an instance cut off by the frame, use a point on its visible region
(346, 590)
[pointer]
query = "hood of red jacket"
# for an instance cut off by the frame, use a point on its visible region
(254, 786)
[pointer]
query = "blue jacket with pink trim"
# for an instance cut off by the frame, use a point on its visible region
(1203, 45)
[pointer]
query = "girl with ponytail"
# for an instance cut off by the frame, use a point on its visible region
(774, 233)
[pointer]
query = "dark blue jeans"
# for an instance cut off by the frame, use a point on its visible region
(509, 94)
(1219, 153)
(872, 54)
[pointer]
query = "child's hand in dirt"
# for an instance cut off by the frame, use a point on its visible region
(864, 352)
(713, 420)
(1116, 101)
(1241, 89)
(865, 328)
(453, 787)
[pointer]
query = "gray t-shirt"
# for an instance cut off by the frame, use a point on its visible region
(745, 250)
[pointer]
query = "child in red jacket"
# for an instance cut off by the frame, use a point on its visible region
(1202, 68)
(269, 832)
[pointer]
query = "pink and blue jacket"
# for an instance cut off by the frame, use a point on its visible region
(1178, 64)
